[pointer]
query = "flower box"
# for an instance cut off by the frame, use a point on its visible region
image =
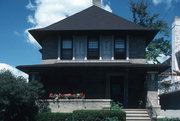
(67, 96)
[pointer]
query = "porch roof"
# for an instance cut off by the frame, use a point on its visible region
(93, 65)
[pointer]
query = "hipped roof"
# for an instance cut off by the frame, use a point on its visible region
(92, 19)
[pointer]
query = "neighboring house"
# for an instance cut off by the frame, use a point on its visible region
(170, 85)
(100, 54)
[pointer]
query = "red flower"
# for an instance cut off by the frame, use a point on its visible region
(69, 94)
(50, 95)
(61, 95)
(82, 94)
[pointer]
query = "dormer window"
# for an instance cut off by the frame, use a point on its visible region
(93, 48)
(66, 48)
(119, 48)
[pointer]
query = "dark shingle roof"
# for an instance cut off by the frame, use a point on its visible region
(92, 19)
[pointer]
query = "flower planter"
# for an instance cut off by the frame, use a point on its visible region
(69, 105)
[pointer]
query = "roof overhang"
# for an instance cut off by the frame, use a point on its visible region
(93, 65)
(40, 35)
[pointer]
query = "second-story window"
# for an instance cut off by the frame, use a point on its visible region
(119, 48)
(66, 48)
(93, 48)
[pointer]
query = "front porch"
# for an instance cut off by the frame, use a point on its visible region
(133, 85)
(125, 86)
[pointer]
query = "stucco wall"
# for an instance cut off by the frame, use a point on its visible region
(106, 47)
(69, 105)
(137, 47)
(51, 52)
(50, 48)
(80, 47)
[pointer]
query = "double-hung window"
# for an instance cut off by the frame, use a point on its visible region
(93, 48)
(119, 48)
(66, 48)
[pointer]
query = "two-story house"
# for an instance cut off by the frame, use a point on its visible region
(100, 54)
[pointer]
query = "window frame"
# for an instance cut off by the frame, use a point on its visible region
(62, 49)
(98, 49)
(123, 54)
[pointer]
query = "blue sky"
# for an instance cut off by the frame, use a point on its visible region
(17, 16)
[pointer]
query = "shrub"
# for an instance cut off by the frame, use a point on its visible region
(170, 119)
(54, 117)
(83, 115)
(116, 105)
(17, 98)
(99, 115)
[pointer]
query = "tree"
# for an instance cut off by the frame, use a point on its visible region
(161, 44)
(18, 97)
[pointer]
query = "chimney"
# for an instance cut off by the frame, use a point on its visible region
(176, 46)
(97, 3)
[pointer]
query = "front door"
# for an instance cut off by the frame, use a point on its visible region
(117, 88)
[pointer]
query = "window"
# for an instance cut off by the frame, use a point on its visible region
(119, 48)
(93, 48)
(66, 48)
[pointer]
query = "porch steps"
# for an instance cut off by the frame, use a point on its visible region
(137, 115)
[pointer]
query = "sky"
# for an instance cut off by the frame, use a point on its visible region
(17, 46)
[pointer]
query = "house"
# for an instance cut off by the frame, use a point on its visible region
(170, 85)
(100, 54)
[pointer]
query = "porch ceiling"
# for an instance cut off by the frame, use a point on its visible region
(93, 65)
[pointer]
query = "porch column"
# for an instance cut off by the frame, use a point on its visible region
(125, 105)
(152, 93)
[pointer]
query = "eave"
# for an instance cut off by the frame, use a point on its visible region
(94, 65)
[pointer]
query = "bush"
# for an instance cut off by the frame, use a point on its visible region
(170, 119)
(17, 98)
(54, 117)
(116, 105)
(84, 115)
(98, 115)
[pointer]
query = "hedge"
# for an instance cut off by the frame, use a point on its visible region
(54, 117)
(98, 115)
(84, 115)
(170, 119)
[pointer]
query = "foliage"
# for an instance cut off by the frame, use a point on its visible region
(17, 102)
(54, 117)
(170, 119)
(43, 106)
(83, 115)
(99, 115)
(116, 105)
(160, 45)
